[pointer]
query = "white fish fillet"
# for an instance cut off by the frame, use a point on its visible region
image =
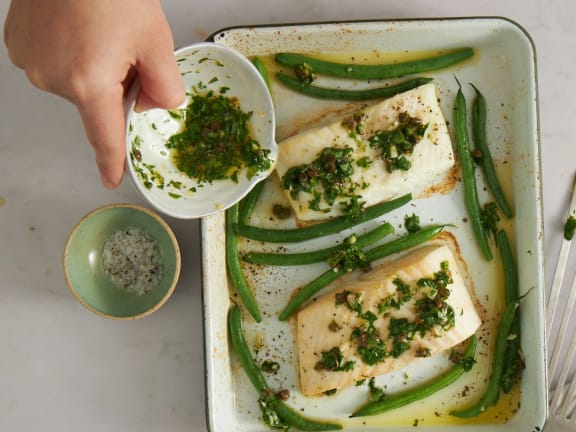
(431, 159)
(314, 335)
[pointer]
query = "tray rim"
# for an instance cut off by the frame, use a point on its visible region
(288, 24)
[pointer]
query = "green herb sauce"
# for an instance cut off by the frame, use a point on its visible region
(467, 362)
(304, 73)
(355, 124)
(432, 313)
(333, 360)
(395, 144)
(269, 415)
(216, 143)
(327, 178)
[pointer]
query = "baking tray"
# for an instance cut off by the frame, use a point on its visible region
(504, 69)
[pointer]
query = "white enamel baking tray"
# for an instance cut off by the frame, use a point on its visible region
(504, 69)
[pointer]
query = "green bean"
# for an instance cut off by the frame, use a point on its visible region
(490, 397)
(379, 71)
(242, 351)
(235, 268)
(485, 158)
(249, 202)
(298, 421)
(421, 392)
(303, 258)
(403, 243)
(256, 61)
(309, 290)
(468, 177)
(382, 251)
(346, 94)
(255, 376)
(513, 358)
(509, 266)
(332, 226)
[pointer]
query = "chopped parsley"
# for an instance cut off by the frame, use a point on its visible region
(348, 256)
(412, 223)
(395, 144)
(148, 173)
(364, 162)
(441, 278)
(175, 184)
(570, 228)
(175, 114)
(333, 360)
(269, 415)
(433, 308)
(489, 218)
(371, 348)
(467, 362)
(353, 208)
(402, 332)
(376, 393)
(404, 293)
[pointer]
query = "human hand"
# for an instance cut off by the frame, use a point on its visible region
(89, 52)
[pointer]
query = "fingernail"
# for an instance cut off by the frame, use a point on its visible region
(107, 183)
(138, 108)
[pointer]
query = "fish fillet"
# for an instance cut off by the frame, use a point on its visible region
(431, 158)
(324, 325)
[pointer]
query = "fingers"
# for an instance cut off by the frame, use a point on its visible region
(11, 17)
(161, 83)
(64, 48)
(145, 102)
(103, 118)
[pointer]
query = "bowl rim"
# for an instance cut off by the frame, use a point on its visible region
(130, 103)
(173, 241)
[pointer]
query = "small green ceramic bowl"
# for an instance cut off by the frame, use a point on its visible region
(84, 270)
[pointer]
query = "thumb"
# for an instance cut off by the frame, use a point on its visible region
(161, 85)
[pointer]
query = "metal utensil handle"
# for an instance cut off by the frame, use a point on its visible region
(560, 270)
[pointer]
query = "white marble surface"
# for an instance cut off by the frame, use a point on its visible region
(64, 369)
